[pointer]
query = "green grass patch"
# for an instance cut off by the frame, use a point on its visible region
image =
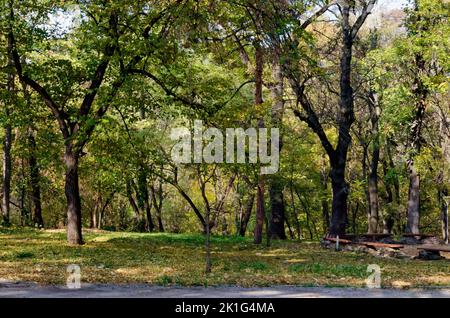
(168, 259)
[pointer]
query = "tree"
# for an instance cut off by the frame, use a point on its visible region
(337, 155)
(78, 123)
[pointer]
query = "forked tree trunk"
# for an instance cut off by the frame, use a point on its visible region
(74, 235)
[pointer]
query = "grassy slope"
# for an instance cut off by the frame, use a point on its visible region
(166, 259)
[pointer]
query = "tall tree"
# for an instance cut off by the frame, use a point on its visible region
(345, 115)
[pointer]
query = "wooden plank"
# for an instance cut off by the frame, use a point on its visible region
(373, 244)
(435, 248)
(341, 241)
(417, 235)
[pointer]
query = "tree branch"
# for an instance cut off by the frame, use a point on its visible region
(60, 115)
(362, 18)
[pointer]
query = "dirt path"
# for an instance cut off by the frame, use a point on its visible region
(23, 290)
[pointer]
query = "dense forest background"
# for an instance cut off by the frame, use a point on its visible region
(90, 91)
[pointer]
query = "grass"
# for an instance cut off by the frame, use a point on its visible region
(178, 259)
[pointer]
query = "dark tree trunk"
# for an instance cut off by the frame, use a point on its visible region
(260, 214)
(7, 141)
(277, 217)
(143, 198)
(35, 182)
(72, 191)
(246, 216)
(208, 262)
(395, 220)
(157, 197)
(389, 220)
(295, 212)
(420, 92)
(340, 190)
(24, 212)
(346, 118)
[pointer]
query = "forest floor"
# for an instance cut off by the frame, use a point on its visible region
(117, 258)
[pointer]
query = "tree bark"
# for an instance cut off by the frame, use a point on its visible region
(7, 141)
(340, 190)
(413, 218)
(74, 235)
(246, 216)
(157, 203)
(373, 217)
(277, 216)
(420, 93)
(260, 213)
(35, 182)
(295, 212)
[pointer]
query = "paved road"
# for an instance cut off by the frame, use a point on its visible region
(23, 290)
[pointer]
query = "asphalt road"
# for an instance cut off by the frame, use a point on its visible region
(24, 290)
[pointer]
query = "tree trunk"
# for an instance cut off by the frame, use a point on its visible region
(72, 191)
(373, 176)
(35, 183)
(388, 222)
(8, 138)
(340, 190)
(157, 203)
(277, 216)
(420, 92)
(324, 201)
(346, 117)
(260, 214)
(208, 262)
(295, 212)
(246, 216)
(143, 199)
(412, 225)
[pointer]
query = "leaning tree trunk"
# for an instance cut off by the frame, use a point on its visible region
(72, 191)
